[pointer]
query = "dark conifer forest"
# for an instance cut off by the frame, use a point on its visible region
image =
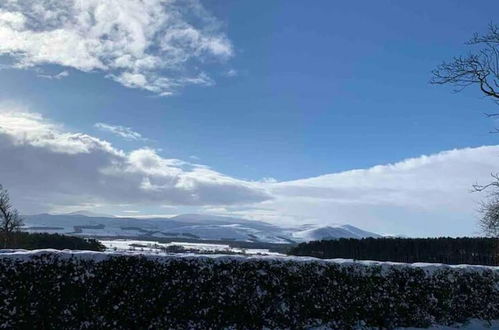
(464, 250)
(32, 241)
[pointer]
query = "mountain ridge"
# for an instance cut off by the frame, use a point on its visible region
(187, 226)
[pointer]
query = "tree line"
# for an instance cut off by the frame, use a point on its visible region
(33, 241)
(11, 236)
(464, 250)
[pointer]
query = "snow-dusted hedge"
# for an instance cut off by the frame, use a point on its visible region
(102, 291)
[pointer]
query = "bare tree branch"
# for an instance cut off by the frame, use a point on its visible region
(480, 68)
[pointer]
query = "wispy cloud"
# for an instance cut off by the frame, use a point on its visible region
(231, 73)
(125, 132)
(57, 76)
(154, 45)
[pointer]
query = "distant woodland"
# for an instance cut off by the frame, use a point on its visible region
(465, 250)
(32, 241)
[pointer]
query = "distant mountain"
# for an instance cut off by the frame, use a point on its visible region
(89, 214)
(186, 226)
(331, 232)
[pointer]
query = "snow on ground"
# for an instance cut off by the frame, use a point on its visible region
(166, 257)
(186, 226)
(473, 324)
(317, 233)
(154, 247)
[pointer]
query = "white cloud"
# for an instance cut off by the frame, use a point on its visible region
(231, 73)
(426, 195)
(152, 45)
(125, 132)
(60, 75)
(46, 167)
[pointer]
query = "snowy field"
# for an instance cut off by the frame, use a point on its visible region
(154, 247)
(185, 227)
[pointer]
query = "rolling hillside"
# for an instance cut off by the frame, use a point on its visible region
(187, 226)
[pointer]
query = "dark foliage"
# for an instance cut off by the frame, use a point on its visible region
(48, 292)
(31, 241)
(465, 250)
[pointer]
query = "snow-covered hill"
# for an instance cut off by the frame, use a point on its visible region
(186, 226)
(331, 232)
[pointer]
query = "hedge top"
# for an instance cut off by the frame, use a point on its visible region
(429, 268)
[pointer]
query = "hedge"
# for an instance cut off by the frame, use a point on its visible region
(104, 291)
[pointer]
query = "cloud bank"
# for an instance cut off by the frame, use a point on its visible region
(426, 195)
(48, 168)
(422, 196)
(45, 167)
(155, 45)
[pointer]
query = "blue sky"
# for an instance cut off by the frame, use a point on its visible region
(299, 91)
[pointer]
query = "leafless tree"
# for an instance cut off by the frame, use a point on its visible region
(489, 222)
(479, 68)
(489, 209)
(10, 220)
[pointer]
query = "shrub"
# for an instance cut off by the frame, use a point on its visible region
(59, 291)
